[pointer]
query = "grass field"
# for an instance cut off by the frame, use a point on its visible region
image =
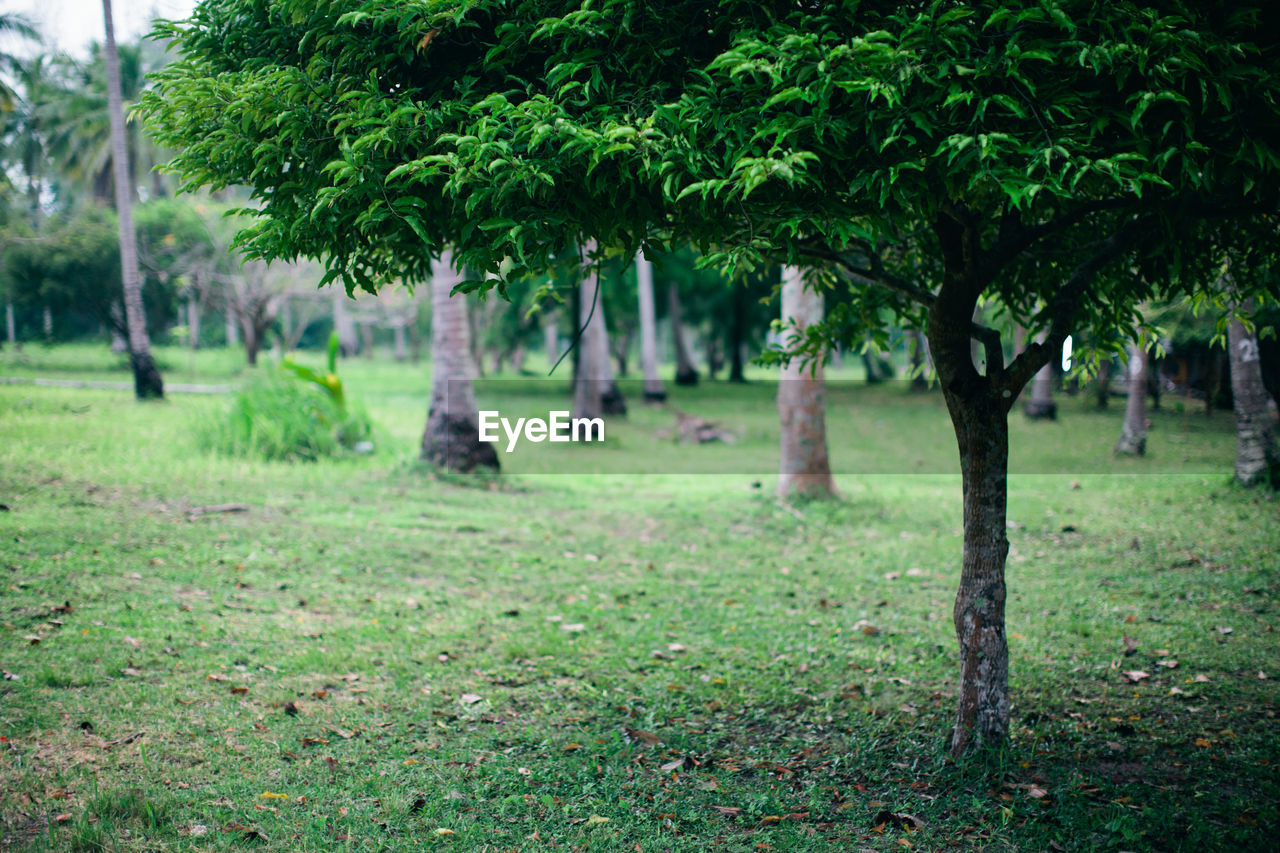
(374, 657)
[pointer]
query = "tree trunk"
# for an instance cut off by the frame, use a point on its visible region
(452, 436)
(415, 339)
(1102, 385)
(401, 345)
(251, 341)
(738, 334)
(366, 339)
(551, 338)
(1133, 434)
(686, 373)
(232, 326)
(979, 407)
(919, 360)
(713, 357)
(46, 322)
(10, 326)
(146, 378)
(1041, 405)
(803, 468)
(593, 349)
(869, 366)
(343, 325)
(1257, 458)
(982, 433)
(193, 320)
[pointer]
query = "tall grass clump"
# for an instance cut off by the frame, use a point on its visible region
(277, 417)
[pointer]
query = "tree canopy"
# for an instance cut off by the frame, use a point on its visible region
(1066, 157)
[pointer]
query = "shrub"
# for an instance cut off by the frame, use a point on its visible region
(278, 417)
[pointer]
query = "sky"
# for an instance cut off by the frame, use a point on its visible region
(70, 25)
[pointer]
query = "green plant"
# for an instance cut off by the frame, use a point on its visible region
(329, 381)
(274, 417)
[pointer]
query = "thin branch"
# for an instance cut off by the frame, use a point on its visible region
(1063, 306)
(874, 274)
(1014, 240)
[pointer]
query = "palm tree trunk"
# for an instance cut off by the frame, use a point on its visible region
(593, 352)
(452, 437)
(804, 468)
(10, 325)
(348, 343)
(193, 319)
(686, 373)
(146, 378)
(232, 326)
(1133, 435)
(653, 389)
(1257, 458)
(1041, 405)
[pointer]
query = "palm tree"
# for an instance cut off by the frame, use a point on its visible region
(452, 437)
(12, 24)
(79, 125)
(804, 468)
(146, 378)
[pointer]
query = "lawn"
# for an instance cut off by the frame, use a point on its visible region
(376, 657)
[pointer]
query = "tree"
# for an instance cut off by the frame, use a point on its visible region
(1257, 457)
(451, 439)
(1133, 434)
(653, 390)
(146, 377)
(1065, 157)
(803, 467)
(12, 24)
(594, 391)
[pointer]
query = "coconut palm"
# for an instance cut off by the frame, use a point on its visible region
(12, 25)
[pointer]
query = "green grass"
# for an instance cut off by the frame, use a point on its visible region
(421, 628)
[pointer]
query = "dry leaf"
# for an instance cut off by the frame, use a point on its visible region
(727, 811)
(1037, 793)
(1168, 664)
(1223, 629)
(271, 795)
(643, 737)
(596, 819)
(131, 641)
(1133, 676)
(574, 627)
(470, 698)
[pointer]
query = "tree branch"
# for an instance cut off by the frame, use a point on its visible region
(1014, 239)
(874, 273)
(1063, 306)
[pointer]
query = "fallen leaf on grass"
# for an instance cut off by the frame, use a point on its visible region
(133, 642)
(1037, 793)
(239, 691)
(1130, 645)
(62, 818)
(1203, 743)
(1223, 629)
(596, 819)
(1168, 664)
(1200, 677)
(129, 670)
(671, 766)
(470, 698)
(573, 627)
(271, 795)
(33, 639)
(727, 811)
(443, 831)
(1133, 676)
(643, 737)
